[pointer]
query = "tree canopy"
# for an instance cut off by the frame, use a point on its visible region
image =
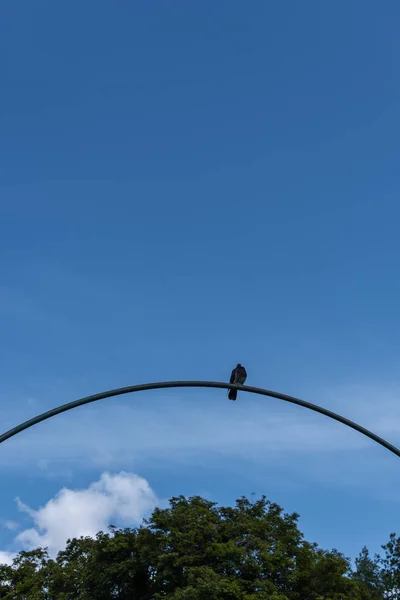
(197, 550)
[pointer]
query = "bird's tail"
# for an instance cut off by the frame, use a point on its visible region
(232, 394)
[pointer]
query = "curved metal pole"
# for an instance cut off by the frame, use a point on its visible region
(205, 384)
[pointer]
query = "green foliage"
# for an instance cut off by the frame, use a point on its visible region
(391, 568)
(196, 550)
(379, 577)
(370, 575)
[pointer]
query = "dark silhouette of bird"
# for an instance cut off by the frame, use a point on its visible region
(238, 377)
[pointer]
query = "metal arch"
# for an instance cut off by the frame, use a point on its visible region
(200, 384)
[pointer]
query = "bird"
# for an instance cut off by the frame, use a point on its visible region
(238, 376)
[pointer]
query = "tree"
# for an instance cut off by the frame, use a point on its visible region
(369, 573)
(192, 550)
(391, 568)
(26, 577)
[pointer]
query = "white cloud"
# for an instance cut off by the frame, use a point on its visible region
(120, 498)
(6, 558)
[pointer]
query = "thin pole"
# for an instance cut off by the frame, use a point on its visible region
(198, 384)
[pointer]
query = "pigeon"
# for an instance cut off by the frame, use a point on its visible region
(238, 376)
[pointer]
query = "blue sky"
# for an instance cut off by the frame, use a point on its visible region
(184, 186)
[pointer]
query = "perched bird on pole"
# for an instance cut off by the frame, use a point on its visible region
(238, 377)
